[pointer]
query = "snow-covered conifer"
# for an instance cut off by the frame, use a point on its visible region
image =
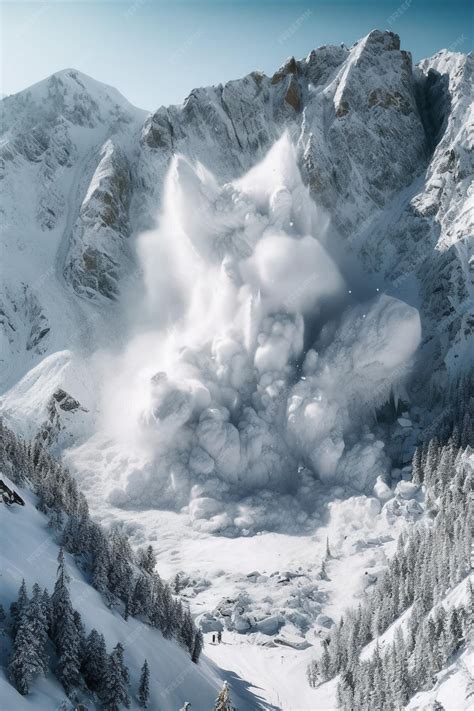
(147, 560)
(116, 682)
(144, 686)
(223, 701)
(198, 646)
(18, 607)
(94, 661)
(28, 659)
(64, 630)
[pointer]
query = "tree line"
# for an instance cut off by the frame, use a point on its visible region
(47, 635)
(125, 580)
(431, 558)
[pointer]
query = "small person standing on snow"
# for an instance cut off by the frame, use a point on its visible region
(213, 639)
(219, 636)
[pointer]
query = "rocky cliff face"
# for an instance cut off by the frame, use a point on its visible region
(66, 186)
(430, 241)
(96, 247)
(385, 148)
(353, 115)
(448, 199)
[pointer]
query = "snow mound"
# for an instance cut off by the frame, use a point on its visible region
(27, 402)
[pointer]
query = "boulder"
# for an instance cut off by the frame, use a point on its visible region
(240, 623)
(208, 623)
(325, 621)
(270, 625)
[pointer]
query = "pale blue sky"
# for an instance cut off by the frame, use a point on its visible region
(156, 51)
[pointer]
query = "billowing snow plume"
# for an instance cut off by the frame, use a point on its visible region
(225, 391)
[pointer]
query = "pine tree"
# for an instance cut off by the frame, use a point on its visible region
(23, 666)
(323, 575)
(351, 648)
(445, 467)
(187, 629)
(198, 646)
(55, 520)
(312, 673)
(430, 462)
(167, 612)
(469, 616)
(177, 584)
(467, 431)
(120, 573)
(28, 659)
(76, 534)
(68, 647)
(117, 681)
(94, 662)
(60, 598)
(18, 607)
(100, 565)
(325, 666)
(223, 702)
(422, 656)
(81, 633)
(39, 624)
(455, 630)
(64, 630)
(144, 686)
(401, 686)
(377, 698)
(141, 596)
(147, 560)
(46, 603)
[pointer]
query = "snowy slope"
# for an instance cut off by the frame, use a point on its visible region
(29, 551)
(56, 138)
(453, 688)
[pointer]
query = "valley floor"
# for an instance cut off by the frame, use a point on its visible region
(273, 580)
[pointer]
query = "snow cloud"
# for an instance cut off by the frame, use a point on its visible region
(223, 391)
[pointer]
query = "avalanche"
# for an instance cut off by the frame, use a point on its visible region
(250, 369)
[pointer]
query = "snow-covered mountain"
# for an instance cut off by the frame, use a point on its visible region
(64, 143)
(237, 315)
(385, 148)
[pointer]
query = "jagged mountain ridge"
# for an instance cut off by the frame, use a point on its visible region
(62, 144)
(385, 149)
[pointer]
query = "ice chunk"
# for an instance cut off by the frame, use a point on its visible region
(381, 490)
(406, 489)
(270, 625)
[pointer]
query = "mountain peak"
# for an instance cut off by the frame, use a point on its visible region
(79, 98)
(385, 39)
